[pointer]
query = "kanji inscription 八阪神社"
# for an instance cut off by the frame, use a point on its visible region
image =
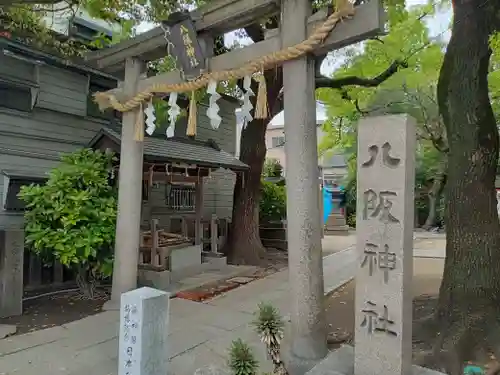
(384, 225)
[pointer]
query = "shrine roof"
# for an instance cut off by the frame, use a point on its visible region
(11, 46)
(161, 150)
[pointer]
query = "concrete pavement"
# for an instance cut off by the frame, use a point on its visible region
(200, 333)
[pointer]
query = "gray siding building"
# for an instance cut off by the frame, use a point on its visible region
(46, 109)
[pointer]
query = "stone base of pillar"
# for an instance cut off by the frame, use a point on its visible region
(341, 362)
(298, 366)
(111, 305)
(304, 354)
(11, 272)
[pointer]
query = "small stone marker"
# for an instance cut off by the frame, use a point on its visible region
(144, 315)
(384, 224)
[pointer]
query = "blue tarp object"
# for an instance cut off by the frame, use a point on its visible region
(327, 201)
(473, 370)
(327, 204)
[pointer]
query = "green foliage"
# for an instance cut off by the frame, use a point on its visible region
(270, 327)
(408, 40)
(430, 165)
(268, 322)
(494, 74)
(72, 216)
(26, 26)
(241, 359)
(351, 220)
(411, 90)
(272, 168)
(102, 40)
(272, 205)
(351, 197)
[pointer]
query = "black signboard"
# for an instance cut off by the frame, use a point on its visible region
(184, 44)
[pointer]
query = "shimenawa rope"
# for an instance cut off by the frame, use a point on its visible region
(105, 100)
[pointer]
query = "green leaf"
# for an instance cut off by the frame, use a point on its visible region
(65, 217)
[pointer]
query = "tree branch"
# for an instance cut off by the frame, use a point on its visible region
(435, 136)
(337, 83)
(345, 95)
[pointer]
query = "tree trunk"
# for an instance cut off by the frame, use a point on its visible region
(469, 304)
(433, 196)
(243, 245)
(86, 282)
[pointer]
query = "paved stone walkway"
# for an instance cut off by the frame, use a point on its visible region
(200, 333)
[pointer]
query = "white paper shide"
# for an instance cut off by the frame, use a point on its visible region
(213, 107)
(173, 112)
(150, 118)
(247, 105)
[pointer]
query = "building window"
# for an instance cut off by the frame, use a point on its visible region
(277, 141)
(15, 96)
(180, 197)
(14, 184)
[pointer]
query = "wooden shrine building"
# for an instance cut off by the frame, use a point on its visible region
(187, 200)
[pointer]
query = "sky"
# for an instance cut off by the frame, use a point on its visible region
(438, 25)
(321, 116)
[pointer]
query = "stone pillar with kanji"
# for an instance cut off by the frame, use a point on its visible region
(384, 225)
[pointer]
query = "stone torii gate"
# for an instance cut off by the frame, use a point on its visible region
(308, 341)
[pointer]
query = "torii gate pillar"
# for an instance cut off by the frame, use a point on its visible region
(129, 195)
(307, 344)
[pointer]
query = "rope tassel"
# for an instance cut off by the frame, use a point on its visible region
(191, 126)
(139, 125)
(261, 108)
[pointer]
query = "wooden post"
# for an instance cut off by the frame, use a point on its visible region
(225, 229)
(129, 195)
(168, 224)
(154, 244)
(308, 335)
(214, 234)
(184, 227)
(198, 230)
(11, 272)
